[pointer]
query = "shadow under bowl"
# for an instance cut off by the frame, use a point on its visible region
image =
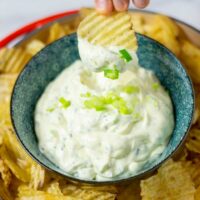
(50, 61)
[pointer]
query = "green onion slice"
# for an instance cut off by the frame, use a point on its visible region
(111, 73)
(124, 54)
(155, 86)
(130, 89)
(65, 103)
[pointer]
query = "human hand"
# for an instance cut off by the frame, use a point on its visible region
(107, 6)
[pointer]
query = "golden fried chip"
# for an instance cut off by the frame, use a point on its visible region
(77, 192)
(193, 141)
(13, 60)
(193, 168)
(26, 193)
(172, 182)
(84, 12)
(54, 188)
(5, 173)
(37, 176)
(34, 46)
(13, 146)
(56, 31)
(138, 22)
(116, 30)
(164, 30)
(11, 163)
(197, 194)
(6, 84)
(4, 192)
(190, 56)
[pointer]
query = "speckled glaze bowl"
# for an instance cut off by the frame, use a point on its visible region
(49, 62)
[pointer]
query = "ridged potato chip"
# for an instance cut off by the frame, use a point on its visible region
(37, 176)
(5, 173)
(164, 30)
(56, 31)
(193, 168)
(54, 188)
(172, 182)
(112, 30)
(34, 46)
(4, 192)
(77, 192)
(20, 173)
(138, 22)
(13, 60)
(190, 56)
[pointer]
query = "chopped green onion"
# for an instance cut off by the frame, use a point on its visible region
(130, 89)
(111, 73)
(111, 97)
(155, 86)
(124, 54)
(121, 106)
(65, 103)
(51, 109)
(87, 94)
(95, 102)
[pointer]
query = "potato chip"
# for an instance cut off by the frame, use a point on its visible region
(5, 173)
(115, 30)
(138, 22)
(77, 192)
(37, 176)
(193, 141)
(20, 173)
(34, 46)
(190, 56)
(84, 12)
(13, 146)
(54, 188)
(197, 194)
(13, 60)
(193, 168)
(172, 182)
(56, 31)
(4, 192)
(26, 193)
(164, 30)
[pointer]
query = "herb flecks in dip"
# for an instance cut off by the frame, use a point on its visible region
(103, 119)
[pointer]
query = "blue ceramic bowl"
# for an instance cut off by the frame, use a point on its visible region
(49, 62)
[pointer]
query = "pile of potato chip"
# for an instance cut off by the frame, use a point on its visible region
(22, 178)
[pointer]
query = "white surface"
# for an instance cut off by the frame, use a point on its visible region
(17, 13)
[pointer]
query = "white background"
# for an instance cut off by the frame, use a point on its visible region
(16, 13)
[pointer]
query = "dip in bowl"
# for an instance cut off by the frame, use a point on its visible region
(51, 61)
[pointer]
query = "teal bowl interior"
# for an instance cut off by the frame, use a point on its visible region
(49, 62)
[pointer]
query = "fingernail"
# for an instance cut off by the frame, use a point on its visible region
(101, 5)
(141, 3)
(121, 5)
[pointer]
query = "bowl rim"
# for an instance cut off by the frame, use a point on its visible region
(107, 182)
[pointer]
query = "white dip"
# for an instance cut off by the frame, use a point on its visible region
(110, 128)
